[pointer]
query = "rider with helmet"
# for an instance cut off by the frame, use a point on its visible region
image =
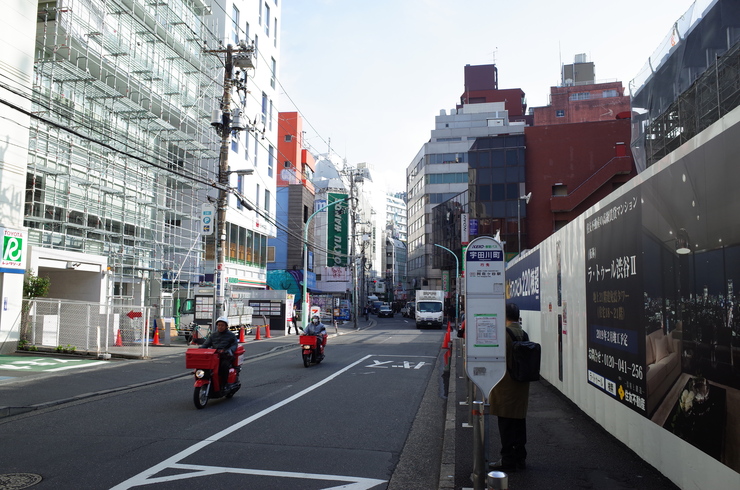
(225, 343)
(319, 330)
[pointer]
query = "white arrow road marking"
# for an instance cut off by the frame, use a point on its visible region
(147, 477)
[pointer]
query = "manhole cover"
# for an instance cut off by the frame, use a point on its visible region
(16, 481)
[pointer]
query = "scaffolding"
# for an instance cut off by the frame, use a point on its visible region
(121, 150)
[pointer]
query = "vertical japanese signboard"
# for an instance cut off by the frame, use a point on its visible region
(615, 304)
(485, 316)
(337, 231)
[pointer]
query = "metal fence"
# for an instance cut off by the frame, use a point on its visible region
(86, 327)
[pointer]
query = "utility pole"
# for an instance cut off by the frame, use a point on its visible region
(224, 123)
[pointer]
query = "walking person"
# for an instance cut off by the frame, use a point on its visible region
(509, 400)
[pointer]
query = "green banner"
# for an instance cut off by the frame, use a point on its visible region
(338, 231)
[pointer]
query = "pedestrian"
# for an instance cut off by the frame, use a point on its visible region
(509, 400)
(366, 312)
(293, 322)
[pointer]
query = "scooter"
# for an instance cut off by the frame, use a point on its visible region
(205, 363)
(310, 352)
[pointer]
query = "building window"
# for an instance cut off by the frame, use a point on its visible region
(268, 198)
(609, 93)
(270, 160)
(264, 108)
(271, 110)
(560, 113)
(235, 24)
(288, 138)
(274, 72)
(257, 196)
(267, 20)
(240, 189)
(580, 96)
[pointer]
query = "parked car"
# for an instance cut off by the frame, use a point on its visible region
(385, 311)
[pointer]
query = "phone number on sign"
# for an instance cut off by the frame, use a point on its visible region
(608, 360)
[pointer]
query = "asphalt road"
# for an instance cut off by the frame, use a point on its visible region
(370, 416)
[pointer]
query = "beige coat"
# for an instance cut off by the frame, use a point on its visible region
(510, 398)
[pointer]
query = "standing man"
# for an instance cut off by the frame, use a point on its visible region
(509, 400)
(293, 322)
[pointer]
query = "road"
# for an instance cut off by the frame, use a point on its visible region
(346, 423)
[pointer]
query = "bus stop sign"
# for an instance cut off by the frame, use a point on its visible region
(485, 315)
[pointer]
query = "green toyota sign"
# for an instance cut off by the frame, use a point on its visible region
(14, 244)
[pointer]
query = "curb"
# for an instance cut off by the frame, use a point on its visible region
(447, 465)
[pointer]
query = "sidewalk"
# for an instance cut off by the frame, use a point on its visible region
(43, 389)
(566, 448)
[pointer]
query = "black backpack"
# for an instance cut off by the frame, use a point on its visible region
(525, 359)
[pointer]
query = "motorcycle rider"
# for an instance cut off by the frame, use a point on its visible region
(225, 343)
(319, 330)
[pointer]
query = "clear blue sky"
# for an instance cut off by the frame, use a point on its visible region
(371, 76)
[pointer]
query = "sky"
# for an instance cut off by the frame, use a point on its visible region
(368, 77)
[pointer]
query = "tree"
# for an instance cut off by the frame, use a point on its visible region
(33, 287)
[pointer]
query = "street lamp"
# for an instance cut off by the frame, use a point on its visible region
(457, 283)
(526, 199)
(304, 307)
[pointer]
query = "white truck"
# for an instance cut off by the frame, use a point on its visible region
(429, 308)
(196, 312)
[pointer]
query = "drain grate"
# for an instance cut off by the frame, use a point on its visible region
(17, 481)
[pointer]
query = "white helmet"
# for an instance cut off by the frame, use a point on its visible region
(223, 319)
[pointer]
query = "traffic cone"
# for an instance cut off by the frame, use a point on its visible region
(257, 336)
(156, 337)
(119, 340)
(267, 332)
(241, 334)
(446, 342)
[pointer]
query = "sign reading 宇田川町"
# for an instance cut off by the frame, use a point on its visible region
(13, 247)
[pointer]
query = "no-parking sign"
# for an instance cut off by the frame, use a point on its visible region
(485, 315)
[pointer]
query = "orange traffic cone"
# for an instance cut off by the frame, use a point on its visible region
(267, 332)
(446, 342)
(156, 337)
(257, 336)
(119, 340)
(241, 334)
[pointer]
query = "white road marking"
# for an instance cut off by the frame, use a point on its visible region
(379, 364)
(147, 477)
(77, 366)
(200, 470)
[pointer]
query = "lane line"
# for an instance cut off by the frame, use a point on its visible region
(143, 478)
